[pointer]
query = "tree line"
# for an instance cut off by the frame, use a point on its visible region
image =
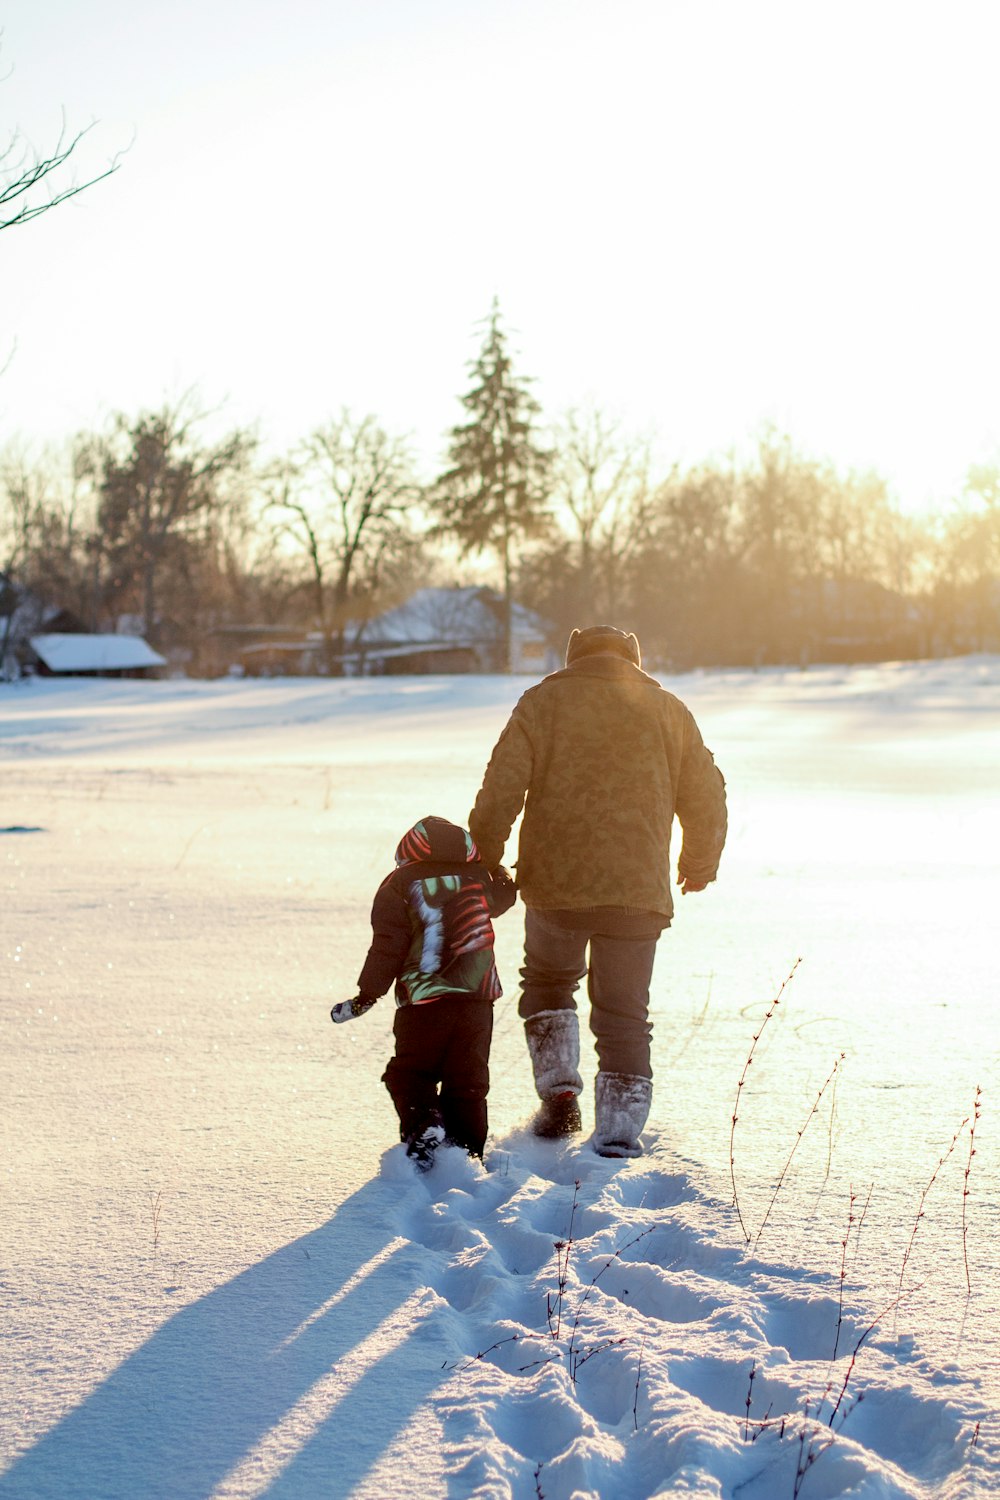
(773, 557)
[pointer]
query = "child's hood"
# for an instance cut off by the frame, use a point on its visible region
(436, 839)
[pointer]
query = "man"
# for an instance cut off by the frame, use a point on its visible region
(602, 759)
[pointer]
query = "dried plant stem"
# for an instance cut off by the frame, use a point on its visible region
(563, 1249)
(829, 1137)
(467, 1364)
(861, 1220)
(976, 1112)
(857, 1350)
(815, 1107)
(638, 1377)
(746, 1419)
(593, 1282)
(739, 1090)
(155, 1209)
(843, 1270)
(923, 1199)
(812, 1446)
(578, 1358)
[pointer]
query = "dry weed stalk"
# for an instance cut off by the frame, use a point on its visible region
(155, 1209)
(638, 1376)
(511, 1338)
(593, 1282)
(813, 1443)
(861, 1220)
(890, 1307)
(746, 1419)
(815, 1108)
(739, 1090)
(575, 1353)
(976, 1112)
(923, 1199)
(563, 1249)
(843, 1271)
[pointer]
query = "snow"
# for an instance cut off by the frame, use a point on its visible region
(219, 1275)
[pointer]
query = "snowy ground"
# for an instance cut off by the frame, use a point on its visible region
(218, 1276)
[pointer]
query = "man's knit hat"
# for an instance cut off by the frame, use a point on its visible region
(599, 639)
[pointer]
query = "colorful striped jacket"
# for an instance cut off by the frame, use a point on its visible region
(432, 933)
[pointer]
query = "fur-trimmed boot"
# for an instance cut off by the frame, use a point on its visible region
(621, 1108)
(553, 1038)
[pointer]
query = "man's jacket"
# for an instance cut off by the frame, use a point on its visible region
(601, 758)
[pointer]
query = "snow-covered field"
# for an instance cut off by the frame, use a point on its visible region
(218, 1276)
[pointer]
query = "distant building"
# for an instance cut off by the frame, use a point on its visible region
(451, 630)
(856, 620)
(258, 651)
(82, 655)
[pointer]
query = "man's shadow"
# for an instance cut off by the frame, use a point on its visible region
(212, 1387)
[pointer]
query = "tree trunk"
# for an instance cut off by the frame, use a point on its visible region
(508, 643)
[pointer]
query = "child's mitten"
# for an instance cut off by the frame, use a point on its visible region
(346, 1010)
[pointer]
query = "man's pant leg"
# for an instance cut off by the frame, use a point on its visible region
(620, 972)
(555, 960)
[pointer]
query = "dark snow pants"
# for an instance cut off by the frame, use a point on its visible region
(441, 1068)
(622, 947)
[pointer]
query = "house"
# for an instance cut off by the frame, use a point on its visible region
(855, 619)
(258, 651)
(58, 654)
(452, 630)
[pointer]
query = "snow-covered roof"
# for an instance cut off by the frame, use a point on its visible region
(95, 653)
(452, 615)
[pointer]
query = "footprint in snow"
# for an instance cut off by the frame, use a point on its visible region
(656, 1293)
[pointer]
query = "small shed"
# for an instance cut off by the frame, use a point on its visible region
(73, 655)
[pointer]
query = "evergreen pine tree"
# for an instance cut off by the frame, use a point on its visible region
(493, 493)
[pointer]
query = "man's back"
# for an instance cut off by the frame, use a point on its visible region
(607, 758)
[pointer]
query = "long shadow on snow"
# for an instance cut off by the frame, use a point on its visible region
(208, 1387)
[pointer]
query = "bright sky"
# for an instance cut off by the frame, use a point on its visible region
(698, 216)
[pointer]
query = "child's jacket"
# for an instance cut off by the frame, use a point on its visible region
(431, 928)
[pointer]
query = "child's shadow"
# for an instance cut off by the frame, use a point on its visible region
(261, 1376)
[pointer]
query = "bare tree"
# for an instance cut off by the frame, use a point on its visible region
(30, 183)
(44, 535)
(602, 480)
(966, 585)
(345, 503)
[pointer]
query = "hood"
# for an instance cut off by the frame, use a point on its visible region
(436, 839)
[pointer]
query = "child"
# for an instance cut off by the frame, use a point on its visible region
(432, 934)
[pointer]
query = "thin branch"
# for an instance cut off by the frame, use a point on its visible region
(923, 1200)
(739, 1090)
(777, 1189)
(976, 1112)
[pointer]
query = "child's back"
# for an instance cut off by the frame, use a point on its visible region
(432, 938)
(448, 896)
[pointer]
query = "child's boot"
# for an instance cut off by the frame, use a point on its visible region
(422, 1144)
